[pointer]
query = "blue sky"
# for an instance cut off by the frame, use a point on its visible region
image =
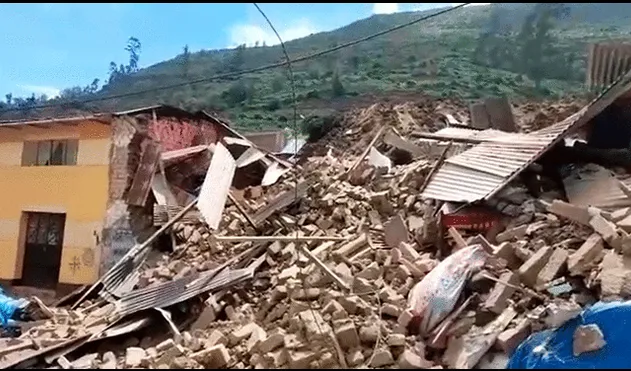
(48, 47)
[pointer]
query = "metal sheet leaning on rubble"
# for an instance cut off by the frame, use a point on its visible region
(482, 171)
(119, 274)
(214, 192)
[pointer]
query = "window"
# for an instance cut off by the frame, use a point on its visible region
(50, 153)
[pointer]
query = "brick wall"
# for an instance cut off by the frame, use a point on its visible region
(179, 133)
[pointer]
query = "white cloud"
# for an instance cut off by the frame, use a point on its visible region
(385, 8)
(50, 91)
(249, 34)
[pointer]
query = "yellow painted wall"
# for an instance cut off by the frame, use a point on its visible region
(80, 191)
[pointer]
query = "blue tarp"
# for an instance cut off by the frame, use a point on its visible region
(8, 306)
(553, 348)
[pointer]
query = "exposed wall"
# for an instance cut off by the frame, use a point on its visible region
(273, 141)
(175, 133)
(79, 191)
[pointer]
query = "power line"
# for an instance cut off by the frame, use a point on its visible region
(243, 72)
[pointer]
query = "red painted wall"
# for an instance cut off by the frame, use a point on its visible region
(177, 134)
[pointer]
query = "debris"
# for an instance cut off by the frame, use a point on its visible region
(587, 338)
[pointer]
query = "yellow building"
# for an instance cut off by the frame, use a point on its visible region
(65, 185)
(54, 192)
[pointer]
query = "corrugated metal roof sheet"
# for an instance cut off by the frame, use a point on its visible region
(177, 291)
(480, 172)
(594, 185)
(464, 133)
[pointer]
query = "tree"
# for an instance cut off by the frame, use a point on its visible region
(133, 48)
(535, 41)
(238, 59)
(186, 57)
(336, 86)
(9, 98)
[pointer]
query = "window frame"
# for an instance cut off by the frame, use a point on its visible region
(34, 152)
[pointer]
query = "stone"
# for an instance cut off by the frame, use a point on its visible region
(409, 360)
(513, 233)
(274, 340)
(506, 251)
(108, 362)
(134, 357)
(575, 213)
(347, 336)
(606, 230)
(216, 337)
(408, 251)
(216, 356)
(587, 338)
(314, 324)
(508, 340)
(165, 345)
(405, 318)
(258, 335)
(585, 257)
(301, 359)
(560, 311)
(395, 231)
(553, 267)
(371, 272)
(497, 300)
(529, 271)
(391, 310)
(369, 334)
(382, 358)
(395, 340)
(355, 357)
(242, 333)
(614, 276)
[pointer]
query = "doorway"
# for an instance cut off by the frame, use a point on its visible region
(42, 250)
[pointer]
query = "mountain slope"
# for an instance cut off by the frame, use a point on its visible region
(440, 57)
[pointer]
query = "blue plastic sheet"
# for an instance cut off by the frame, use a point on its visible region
(553, 348)
(8, 307)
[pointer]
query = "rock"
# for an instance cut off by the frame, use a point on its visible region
(395, 340)
(391, 310)
(585, 257)
(560, 311)
(355, 357)
(274, 340)
(497, 300)
(553, 267)
(371, 272)
(134, 357)
(382, 358)
(587, 338)
(216, 356)
(347, 336)
(217, 337)
(109, 361)
(410, 360)
(513, 233)
(529, 271)
(369, 334)
(301, 359)
(508, 340)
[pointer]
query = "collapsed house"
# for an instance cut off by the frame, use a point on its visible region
(407, 238)
(76, 188)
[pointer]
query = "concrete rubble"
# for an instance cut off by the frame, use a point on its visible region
(317, 303)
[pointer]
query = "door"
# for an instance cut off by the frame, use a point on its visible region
(42, 253)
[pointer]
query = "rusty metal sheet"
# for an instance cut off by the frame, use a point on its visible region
(607, 62)
(214, 192)
(141, 185)
(482, 171)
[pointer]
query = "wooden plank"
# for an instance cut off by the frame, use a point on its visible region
(162, 214)
(214, 192)
(141, 185)
(280, 202)
(277, 238)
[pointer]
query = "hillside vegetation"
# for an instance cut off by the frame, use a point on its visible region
(518, 50)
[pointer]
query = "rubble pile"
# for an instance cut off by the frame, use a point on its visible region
(351, 267)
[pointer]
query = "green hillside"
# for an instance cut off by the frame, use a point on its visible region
(521, 50)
